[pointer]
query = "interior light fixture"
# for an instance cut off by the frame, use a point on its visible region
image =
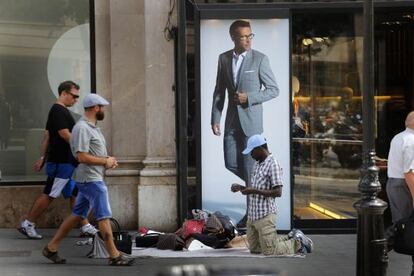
(325, 211)
(307, 41)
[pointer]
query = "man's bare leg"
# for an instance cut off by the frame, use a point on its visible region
(67, 225)
(39, 207)
(27, 226)
(106, 231)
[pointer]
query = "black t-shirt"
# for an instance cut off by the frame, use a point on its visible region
(59, 150)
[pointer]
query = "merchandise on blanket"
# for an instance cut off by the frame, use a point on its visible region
(191, 226)
(170, 241)
(227, 224)
(149, 240)
(193, 245)
(143, 230)
(403, 236)
(122, 239)
(220, 226)
(238, 242)
(210, 240)
(200, 214)
(146, 231)
(213, 226)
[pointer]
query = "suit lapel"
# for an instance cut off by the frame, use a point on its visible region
(245, 64)
(229, 64)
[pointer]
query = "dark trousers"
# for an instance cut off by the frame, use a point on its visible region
(234, 143)
(235, 161)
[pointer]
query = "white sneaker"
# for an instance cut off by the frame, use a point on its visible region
(88, 230)
(28, 229)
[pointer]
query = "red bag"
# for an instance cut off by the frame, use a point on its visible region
(192, 226)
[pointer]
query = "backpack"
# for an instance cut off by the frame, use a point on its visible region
(227, 224)
(221, 227)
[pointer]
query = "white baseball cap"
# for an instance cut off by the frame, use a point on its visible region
(253, 142)
(94, 99)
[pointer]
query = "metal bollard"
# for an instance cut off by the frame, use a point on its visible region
(379, 263)
(371, 224)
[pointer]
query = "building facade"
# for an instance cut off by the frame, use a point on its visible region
(132, 66)
(130, 53)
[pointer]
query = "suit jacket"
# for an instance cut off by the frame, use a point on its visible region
(254, 73)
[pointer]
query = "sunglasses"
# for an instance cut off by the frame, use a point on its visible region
(73, 95)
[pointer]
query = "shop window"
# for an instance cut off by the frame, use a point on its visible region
(327, 122)
(327, 114)
(42, 43)
(327, 105)
(394, 63)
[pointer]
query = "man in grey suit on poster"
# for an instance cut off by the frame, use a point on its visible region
(246, 75)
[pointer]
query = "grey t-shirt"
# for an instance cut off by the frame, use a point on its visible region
(87, 137)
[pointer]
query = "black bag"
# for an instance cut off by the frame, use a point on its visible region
(403, 236)
(210, 240)
(220, 227)
(229, 229)
(149, 240)
(122, 239)
(170, 241)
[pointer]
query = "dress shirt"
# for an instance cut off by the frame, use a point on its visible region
(401, 155)
(237, 62)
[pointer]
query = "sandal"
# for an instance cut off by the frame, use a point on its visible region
(53, 256)
(121, 260)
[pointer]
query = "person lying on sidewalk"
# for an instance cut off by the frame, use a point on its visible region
(88, 145)
(266, 185)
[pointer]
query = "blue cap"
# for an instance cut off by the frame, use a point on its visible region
(253, 142)
(94, 99)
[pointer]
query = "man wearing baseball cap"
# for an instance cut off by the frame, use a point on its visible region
(266, 185)
(89, 147)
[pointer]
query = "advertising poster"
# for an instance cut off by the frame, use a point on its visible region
(266, 63)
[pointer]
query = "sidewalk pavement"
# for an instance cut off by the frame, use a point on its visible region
(333, 255)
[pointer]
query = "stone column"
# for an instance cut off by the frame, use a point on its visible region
(135, 71)
(157, 196)
(120, 74)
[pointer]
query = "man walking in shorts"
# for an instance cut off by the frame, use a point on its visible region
(60, 162)
(89, 147)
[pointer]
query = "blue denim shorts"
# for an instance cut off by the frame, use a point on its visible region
(92, 196)
(59, 180)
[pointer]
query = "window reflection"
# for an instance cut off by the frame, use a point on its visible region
(29, 30)
(327, 118)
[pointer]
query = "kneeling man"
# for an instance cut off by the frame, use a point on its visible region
(266, 185)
